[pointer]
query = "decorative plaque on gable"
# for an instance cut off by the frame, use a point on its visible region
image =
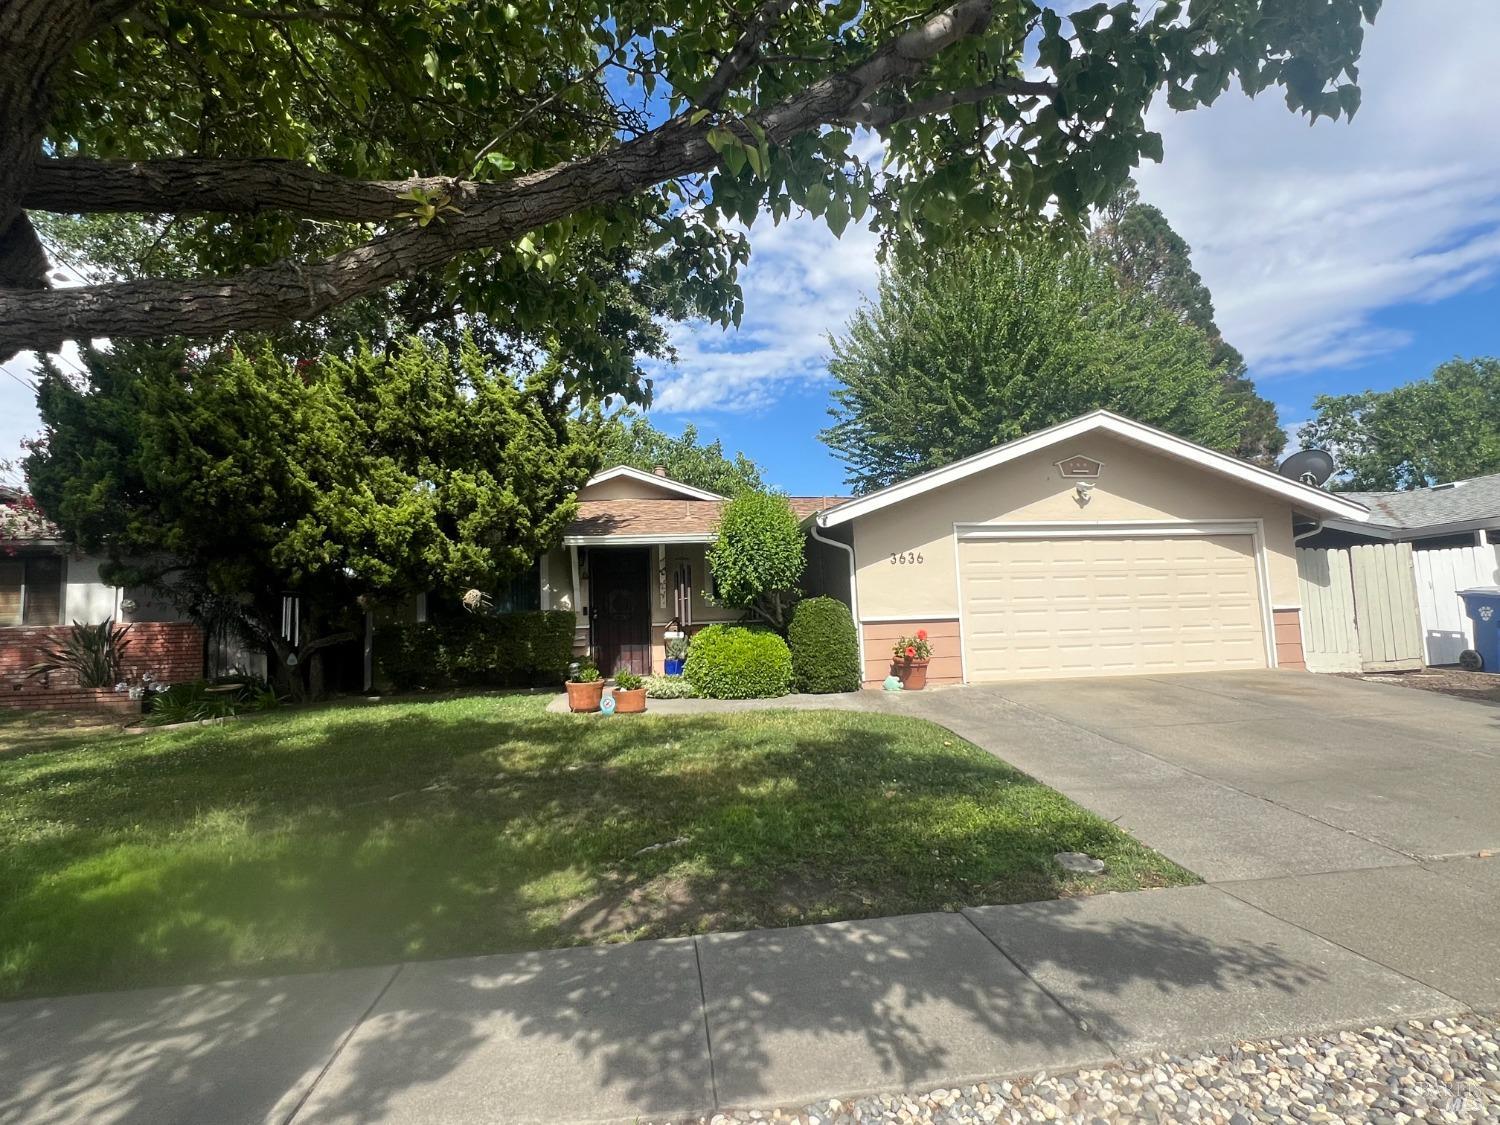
(1079, 467)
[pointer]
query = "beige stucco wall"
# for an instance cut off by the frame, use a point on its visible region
(1135, 484)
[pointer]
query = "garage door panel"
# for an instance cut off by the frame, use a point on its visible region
(1076, 606)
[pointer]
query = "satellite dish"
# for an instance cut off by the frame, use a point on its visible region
(1311, 466)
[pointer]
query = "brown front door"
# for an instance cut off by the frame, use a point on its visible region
(620, 613)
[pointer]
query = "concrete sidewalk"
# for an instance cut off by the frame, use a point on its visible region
(684, 1026)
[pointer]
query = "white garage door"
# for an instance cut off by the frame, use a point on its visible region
(1073, 606)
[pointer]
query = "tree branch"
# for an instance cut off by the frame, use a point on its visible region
(879, 116)
(193, 185)
(488, 214)
(746, 50)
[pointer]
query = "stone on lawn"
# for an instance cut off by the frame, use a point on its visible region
(1080, 862)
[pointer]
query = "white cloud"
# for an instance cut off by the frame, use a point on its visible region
(1304, 233)
(801, 284)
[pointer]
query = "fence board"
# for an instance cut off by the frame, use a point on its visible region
(1446, 629)
(1361, 608)
(1385, 605)
(1330, 642)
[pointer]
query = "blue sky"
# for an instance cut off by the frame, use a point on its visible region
(1341, 256)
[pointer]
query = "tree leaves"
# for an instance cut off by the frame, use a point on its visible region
(1442, 428)
(993, 339)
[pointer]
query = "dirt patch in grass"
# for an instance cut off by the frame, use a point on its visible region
(1479, 687)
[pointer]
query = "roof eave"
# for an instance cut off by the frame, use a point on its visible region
(643, 539)
(668, 483)
(1320, 502)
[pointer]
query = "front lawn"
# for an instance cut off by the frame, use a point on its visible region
(373, 832)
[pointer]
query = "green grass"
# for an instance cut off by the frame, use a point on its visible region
(372, 832)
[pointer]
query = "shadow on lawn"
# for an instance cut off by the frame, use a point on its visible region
(623, 1025)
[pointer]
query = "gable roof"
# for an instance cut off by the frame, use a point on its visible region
(1465, 501)
(631, 473)
(1305, 497)
(650, 521)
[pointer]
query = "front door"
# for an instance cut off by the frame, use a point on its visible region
(620, 613)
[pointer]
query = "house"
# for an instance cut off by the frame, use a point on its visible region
(45, 587)
(1100, 546)
(1463, 513)
(633, 561)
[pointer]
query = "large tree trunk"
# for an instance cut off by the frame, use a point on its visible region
(37, 37)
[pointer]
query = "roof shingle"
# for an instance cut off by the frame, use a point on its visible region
(645, 517)
(1474, 499)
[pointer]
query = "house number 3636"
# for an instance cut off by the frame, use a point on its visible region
(907, 558)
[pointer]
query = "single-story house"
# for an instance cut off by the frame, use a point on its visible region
(1463, 513)
(633, 561)
(1100, 546)
(45, 587)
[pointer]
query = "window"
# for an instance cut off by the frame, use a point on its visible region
(524, 592)
(31, 590)
(521, 593)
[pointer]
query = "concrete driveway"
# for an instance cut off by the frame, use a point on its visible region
(1366, 814)
(1251, 775)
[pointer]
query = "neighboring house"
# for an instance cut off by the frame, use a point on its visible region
(44, 588)
(1465, 513)
(1097, 547)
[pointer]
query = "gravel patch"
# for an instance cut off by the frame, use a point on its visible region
(1421, 1071)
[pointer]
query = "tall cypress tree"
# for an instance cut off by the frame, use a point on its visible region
(1147, 253)
(247, 475)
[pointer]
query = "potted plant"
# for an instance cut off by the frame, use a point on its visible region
(911, 655)
(629, 693)
(677, 650)
(585, 689)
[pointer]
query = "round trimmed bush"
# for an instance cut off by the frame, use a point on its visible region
(825, 649)
(732, 662)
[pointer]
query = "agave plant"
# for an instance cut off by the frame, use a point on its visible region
(91, 652)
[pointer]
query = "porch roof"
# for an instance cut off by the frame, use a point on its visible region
(626, 522)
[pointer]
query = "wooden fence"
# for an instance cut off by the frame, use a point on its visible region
(1360, 609)
(1446, 629)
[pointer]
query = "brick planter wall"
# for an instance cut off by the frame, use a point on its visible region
(172, 651)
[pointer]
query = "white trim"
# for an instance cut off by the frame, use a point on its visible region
(544, 599)
(914, 618)
(635, 540)
(1122, 529)
(577, 606)
(958, 594)
(1103, 529)
(667, 483)
(1286, 609)
(1101, 421)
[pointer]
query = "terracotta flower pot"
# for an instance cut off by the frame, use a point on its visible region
(911, 673)
(630, 702)
(584, 697)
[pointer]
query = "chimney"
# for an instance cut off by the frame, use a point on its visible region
(660, 470)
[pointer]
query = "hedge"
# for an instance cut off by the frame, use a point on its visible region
(825, 650)
(499, 650)
(732, 662)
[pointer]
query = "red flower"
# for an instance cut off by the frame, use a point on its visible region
(921, 634)
(910, 652)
